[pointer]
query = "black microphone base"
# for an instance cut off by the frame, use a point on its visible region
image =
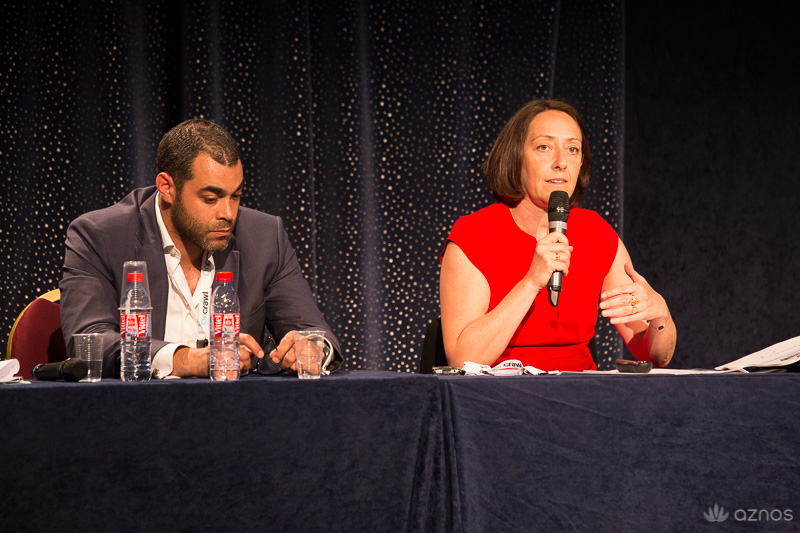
(70, 369)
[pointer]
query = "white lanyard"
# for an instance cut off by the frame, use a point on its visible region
(202, 296)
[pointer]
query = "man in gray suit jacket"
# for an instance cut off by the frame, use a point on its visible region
(186, 227)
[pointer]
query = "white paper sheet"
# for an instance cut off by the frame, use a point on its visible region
(9, 369)
(781, 354)
(661, 372)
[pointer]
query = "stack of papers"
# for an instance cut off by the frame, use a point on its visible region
(782, 354)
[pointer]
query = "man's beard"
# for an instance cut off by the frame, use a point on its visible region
(198, 233)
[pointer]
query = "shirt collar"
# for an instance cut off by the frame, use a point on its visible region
(166, 241)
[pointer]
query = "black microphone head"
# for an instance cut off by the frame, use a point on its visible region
(558, 207)
(73, 369)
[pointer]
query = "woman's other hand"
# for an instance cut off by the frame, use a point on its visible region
(633, 301)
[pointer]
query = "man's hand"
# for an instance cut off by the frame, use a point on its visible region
(188, 362)
(284, 354)
(248, 350)
(191, 362)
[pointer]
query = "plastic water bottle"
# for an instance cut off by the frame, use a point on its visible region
(134, 326)
(223, 365)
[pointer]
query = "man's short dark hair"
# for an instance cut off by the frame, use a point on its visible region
(503, 167)
(182, 144)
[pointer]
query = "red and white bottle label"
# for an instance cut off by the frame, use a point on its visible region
(134, 325)
(225, 324)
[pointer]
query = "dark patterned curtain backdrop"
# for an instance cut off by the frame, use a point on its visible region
(363, 124)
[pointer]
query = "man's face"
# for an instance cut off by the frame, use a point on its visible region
(205, 209)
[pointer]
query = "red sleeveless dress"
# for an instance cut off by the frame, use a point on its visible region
(549, 338)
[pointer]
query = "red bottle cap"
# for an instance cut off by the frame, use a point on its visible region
(135, 276)
(224, 276)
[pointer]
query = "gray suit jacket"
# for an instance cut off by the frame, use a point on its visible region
(266, 274)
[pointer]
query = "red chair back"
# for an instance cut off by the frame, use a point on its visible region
(36, 336)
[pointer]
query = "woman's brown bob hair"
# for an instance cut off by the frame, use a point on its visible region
(503, 167)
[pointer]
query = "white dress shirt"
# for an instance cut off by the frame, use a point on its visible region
(188, 315)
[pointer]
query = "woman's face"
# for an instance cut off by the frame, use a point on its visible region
(552, 156)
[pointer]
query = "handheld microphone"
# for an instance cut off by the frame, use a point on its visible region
(71, 369)
(557, 215)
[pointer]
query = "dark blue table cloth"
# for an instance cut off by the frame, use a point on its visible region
(380, 451)
(353, 452)
(623, 452)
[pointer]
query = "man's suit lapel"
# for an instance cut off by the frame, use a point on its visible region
(151, 250)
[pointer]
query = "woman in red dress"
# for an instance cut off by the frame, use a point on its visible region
(497, 262)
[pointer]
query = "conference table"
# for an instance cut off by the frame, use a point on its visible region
(383, 451)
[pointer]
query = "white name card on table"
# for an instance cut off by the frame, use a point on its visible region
(782, 354)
